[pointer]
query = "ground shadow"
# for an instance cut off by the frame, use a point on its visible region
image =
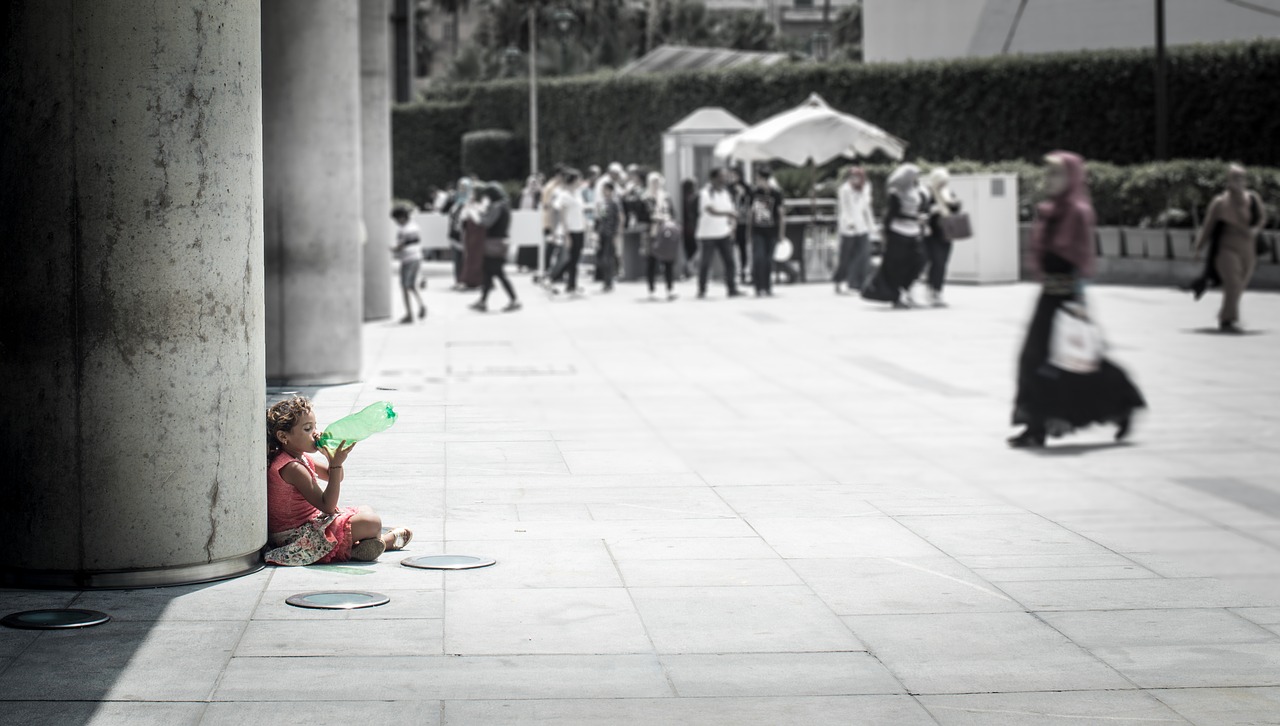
(72, 676)
(1215, 331)
(1080, 449)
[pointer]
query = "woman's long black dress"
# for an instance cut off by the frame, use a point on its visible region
(1052, 401)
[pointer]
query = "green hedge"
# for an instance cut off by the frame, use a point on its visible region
(1173, 192)
(421, 155)
(1015, 107)
(494, 154)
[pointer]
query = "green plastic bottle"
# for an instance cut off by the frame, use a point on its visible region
(359, 426)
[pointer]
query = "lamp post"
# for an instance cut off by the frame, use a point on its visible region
(1162, 90)
(533, 119)
(565, 20)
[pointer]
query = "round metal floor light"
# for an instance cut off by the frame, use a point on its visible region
(447, 562)
(54, 619)
(338, 600)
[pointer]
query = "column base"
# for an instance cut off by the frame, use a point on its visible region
(224, 569)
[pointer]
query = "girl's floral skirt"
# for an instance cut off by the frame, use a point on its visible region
(326, 538)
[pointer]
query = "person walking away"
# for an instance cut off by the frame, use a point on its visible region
(1053, 400)
(473, 235)
(568, 205)
(856, 224)
(531, 194)
(742, 229)
(663, 236)
(689, 197)
(717, 219)
(902, 253)
(496, 221)
(551, 227)
(608, 223)
(937, 246)
(407, 250)
(461, 197)
(1231, 230)
(767, 220)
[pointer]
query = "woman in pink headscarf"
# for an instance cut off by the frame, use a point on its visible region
(1053, 400)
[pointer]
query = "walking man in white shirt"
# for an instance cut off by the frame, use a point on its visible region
(856, 226)
(569, 205)
(717, 219)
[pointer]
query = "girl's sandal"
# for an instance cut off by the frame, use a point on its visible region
(368, 550)
(402, 537)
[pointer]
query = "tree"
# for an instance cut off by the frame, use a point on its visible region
(454, 8)
(424, 50)
(846, 32)
(745, 30)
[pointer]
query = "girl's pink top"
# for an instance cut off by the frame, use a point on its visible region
(286, 507)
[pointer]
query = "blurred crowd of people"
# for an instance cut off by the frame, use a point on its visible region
(1065, 380)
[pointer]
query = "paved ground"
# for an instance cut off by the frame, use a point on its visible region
(787, 511)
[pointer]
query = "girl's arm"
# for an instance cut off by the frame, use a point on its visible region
(1262, 214)
(326, 499)
(299, 477)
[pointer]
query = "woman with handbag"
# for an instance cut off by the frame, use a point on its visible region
(1064, 382)
(1232, 227)
(937, 243)
(663, 238)
(497, 224)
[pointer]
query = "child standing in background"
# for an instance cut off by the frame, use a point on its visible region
(305, 525)
(408, 252)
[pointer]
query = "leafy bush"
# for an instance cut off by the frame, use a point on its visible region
(1173, 192)
(493, 154)
(1013, 107)
(426, 147)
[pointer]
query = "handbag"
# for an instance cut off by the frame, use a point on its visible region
(666, 244)
(783, 251)
(956, 226)
(1076, 344)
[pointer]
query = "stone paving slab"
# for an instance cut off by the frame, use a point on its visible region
(786, 511)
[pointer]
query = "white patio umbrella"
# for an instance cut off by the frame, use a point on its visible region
(811, 132)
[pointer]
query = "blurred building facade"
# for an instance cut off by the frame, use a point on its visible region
(898, 30)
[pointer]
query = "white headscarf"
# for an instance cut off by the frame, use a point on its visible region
(904, 178)
(940, 189)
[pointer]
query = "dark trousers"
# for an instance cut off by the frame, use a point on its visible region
(937, 253)
(569, 262)
(668, 272)
(723, 245)
(762, 243)
(607, 263)
(456, 249)
(741, 237)
(493, 270)
(854, 261)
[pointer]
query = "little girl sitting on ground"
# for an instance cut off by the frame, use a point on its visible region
(305, 524)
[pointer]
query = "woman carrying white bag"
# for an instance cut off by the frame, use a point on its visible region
(1065, 382)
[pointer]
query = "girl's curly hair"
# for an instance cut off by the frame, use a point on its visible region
(283, 416)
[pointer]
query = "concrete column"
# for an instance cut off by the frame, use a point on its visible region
(375, 155)
(311, 172)
(131, 337)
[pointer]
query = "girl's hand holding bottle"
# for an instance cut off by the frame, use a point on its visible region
(339, 455)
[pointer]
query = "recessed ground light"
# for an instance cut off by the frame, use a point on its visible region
(447, 562)
(54, 619)
(338, 600)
